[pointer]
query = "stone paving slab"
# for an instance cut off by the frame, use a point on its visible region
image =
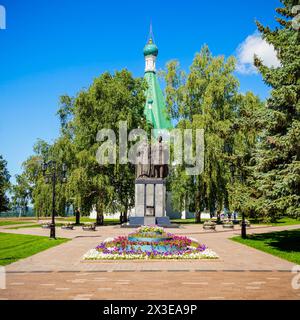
(150, 285)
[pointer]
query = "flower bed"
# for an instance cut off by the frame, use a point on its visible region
(142, 244)
(149, 234)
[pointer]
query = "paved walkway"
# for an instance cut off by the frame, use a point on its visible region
(150, 285)
(240, 273)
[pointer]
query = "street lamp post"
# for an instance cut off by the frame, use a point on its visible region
(51, 174)
(244, 233)
(244, 225)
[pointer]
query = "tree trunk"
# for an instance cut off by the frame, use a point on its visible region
(99, 219)
(198, 203)
(77, 216)
(100, 214)
(218, 217)
(125, 217)
(121, 217)
(198, 216)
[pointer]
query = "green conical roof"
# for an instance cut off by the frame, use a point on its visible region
(155, 107)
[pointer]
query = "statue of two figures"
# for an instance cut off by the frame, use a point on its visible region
(152, 160)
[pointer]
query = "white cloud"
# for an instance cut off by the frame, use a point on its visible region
(255, 45)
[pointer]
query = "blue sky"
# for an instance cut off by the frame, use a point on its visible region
(52, 47)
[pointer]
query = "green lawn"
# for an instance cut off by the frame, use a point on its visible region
(186, 221)
(283, 244)
(107, 222)
(11, 222)
(285, 221)
(72, 219)
(61, 221)
(37, 225)
(26, 226)
(111, 222)
(14, 247)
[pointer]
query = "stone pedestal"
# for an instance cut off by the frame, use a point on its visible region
(150, 199)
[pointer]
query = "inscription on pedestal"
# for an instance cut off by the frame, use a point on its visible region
(150, 199)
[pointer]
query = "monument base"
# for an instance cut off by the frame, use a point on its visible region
(150, 199)
(149, 221)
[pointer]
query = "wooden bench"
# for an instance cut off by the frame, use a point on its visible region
(68, 226)
(89, 227)
(46, 225)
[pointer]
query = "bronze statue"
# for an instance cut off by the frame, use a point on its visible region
(152, 162)
(143, 162)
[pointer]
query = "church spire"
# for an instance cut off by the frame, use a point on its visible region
(151, 35)
(150, 52)
(155, 107)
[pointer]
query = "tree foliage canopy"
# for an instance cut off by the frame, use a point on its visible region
(276, 174)
(4, 185)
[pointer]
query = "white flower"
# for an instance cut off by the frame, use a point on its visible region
(209, 253)
(94, 254)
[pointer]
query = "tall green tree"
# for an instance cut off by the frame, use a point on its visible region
(4, 185)
(247, 131)
(21, 192)
(205, 98)
(39, 191)
(277, 169)
(41, 194)
(109, 100)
